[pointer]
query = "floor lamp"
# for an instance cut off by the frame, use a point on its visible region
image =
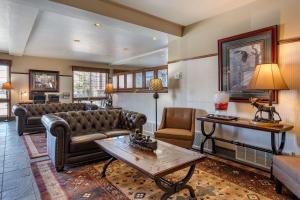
(7, 86)
(109, 90)
(155, 86)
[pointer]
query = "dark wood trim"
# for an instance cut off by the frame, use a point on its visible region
(193, 58)
(26, 73)
(90, 69)
(44, 71)
(8, 101)
(289, 40)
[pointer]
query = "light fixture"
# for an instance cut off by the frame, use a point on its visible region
(76, 40)
(98, 25)
(125, 49)
(154, 38)
(156, 85)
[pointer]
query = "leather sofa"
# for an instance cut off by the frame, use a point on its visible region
(28, 116)
(286, 170)
(71, 135)
(177, 127)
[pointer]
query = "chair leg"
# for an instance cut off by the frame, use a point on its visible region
(278, 186)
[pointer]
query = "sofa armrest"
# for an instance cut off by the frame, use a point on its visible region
(19, 110)
(58, 137)
(21, 117)
(53, 122)
(132, 120)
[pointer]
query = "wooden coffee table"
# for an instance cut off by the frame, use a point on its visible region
(165, 160)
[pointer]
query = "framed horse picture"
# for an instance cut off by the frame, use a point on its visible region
(238, 57)
(43, 81)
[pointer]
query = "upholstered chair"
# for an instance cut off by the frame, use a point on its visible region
(286, 170)
(177, 127)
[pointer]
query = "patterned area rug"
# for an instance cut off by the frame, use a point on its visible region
(212, 180)
(36, 144)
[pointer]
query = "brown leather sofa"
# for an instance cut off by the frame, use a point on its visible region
(286, 170)
(28, 116)
(177, 127)
(71, 135)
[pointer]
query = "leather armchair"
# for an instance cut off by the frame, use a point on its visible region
(71, 135)
(28, 116)
(177, 127)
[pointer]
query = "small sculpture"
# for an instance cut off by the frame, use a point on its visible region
(141, 141)
(267, 109)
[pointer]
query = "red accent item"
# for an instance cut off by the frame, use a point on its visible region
(221, 106)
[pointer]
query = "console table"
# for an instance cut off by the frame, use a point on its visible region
(245, 123)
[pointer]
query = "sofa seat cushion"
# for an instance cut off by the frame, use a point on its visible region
(116, 132)
(85, 142)
(289, 165)
(34, 120)
(173, 133)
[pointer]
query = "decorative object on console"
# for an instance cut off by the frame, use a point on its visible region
(267, 77)
(155, 86)
(7, 87)
(109, 90)
(238, 56)
(43, 81)
(141, 141)
(221, 100)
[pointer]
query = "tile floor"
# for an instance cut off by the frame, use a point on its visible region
(16, 179)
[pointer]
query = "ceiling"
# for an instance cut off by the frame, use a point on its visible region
(47, 29)
(184, 12)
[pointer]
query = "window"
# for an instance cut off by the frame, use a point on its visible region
(115, 82)
(89, 83)
(129, 81)
(121, 81)
(4, 77)
(163, 75)
(149, 76)
(139, 80)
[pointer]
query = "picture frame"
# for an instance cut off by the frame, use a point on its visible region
(43, 81)
(238, 56)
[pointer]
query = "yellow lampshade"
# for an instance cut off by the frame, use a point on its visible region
(156, 84)
(109, 88)
(7, 86)
(267, 77)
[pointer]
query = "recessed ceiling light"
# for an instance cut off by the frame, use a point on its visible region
(98, 25)
(154, 38)
(76, 40)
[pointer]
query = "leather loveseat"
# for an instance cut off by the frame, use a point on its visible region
(28, 116)
(71, 135)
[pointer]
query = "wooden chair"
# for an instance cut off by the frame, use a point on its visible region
(177, 127)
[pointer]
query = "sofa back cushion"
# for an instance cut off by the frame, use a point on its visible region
(42, 109)
(180, 118)
(81, 122)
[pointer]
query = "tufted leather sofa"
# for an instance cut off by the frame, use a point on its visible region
(28, 116)
(71, 135)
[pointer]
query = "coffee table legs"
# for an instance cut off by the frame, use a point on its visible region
(171, 188)
(103, 173)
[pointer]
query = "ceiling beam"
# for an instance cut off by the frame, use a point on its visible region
(117, 11)
(120, 62)
(21, 22)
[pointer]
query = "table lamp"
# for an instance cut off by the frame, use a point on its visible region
(7, 86)
(266, 77)
(109, 90)
(155, 86)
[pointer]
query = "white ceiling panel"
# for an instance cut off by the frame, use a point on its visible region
(184, 12)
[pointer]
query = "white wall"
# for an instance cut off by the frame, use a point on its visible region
(200, 76)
